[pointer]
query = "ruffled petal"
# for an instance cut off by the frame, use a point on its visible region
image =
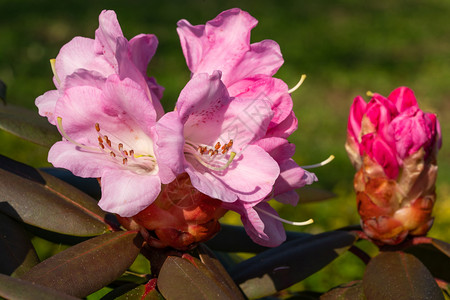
(262, 229)
(292, 177)
(46, 104)
(126, 193)
(106, 36)
(254, 164)
(169, 143)
(80, 162)
(403, 98)
(224, 44)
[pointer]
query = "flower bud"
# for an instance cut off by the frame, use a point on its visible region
(393, 145)
(181, 216)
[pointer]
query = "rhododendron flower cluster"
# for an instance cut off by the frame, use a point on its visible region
(222, 148)
(393, 145)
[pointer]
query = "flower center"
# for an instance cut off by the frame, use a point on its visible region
(124, 155)
(214, 158)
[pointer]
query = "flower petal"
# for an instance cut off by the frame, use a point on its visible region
(126, 193)
(403, 98)
(169, 143)
(254, 164)
(46, 104)
(262, 229)
(224, 44)
(106, 36)
(80, 162)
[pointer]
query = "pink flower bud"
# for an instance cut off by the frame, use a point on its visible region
(181, 216)
(393, 145)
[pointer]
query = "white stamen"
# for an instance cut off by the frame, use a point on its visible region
(321, 164)
(64, 134)
(205, 164)
(298, 84)
(310, 221)
(52, 64)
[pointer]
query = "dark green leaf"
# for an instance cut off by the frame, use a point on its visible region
(435, 260)
(13, 288)
(88, 266)
(441, 246)
(17, 254)
(41, 200)
(180, 279)
(349, 291)
(312, 194)
(399, 275)
(27, 124)
(235, 239)
(281, 267)
(3, 92)
(88, 185)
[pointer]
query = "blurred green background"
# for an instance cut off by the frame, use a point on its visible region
(345, 47)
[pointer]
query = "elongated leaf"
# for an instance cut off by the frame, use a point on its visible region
(217, 271)
(88, 266)
(234, 239)
(88, 185)
(17, 254)
(14, 288)
(27, 124)
(312, 194)
(278, 268)
(349, 291)
(399, 275)
(180, 279)
(436, 261)
(441, 246)
(41, 200)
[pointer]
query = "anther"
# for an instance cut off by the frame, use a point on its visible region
(217, 146)
(100, 140)
(125, 160)
(132, 153)
(125, 152)
(107, 140)
(97, 127)
(101, 145)
(120, 147)
(230, 143)
(112, 154)
(210, 152)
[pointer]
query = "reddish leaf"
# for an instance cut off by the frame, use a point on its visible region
(13, 288)
(41, 200)
(349, 291)
(88, 266)
(180, 279)
(17, 254)
(398, 275)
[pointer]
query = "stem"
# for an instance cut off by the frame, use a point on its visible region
(360, 254)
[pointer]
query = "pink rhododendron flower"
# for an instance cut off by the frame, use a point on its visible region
(393, 145)
(247, 69)
(83, 60)
(216, 134)
(108, 131)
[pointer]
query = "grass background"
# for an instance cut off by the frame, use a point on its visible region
(345, 47)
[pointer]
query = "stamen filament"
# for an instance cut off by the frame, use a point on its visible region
(205, 164)
(321, 164)
(52, 64)
(302, 78)
(310, 221)
(64, 134)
